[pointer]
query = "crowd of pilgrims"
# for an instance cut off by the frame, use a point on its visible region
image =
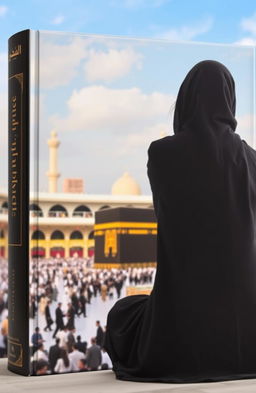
(69, 353)
(3, 306)
(81, 282)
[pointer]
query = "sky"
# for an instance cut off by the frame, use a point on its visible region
(211, 20)
(131, 78)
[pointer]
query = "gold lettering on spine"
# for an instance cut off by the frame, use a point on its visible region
(14, 156)
(12, 295)
(15, 173)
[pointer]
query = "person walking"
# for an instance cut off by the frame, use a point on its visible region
(58, 319)
(99, 334)
(48, 317)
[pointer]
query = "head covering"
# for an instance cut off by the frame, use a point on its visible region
(206, 100)
(199, 322)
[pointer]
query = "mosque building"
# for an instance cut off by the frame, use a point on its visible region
(66, 219)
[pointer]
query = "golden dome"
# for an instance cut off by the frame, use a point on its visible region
(126, 185)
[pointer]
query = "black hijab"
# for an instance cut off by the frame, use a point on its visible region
(206, 100)
(199, 322)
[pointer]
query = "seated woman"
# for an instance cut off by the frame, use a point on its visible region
(199, 322)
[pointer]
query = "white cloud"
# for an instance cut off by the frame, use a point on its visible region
(111, 65)
(245, 121)
(246, 41)
(58, 63)
(245, 127)
(187, 32)
(97, 108)
(133, 4)
(3, 10)
(249, 24)
(131, 143)
(58, 20)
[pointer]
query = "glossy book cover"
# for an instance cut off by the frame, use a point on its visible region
(83, 110)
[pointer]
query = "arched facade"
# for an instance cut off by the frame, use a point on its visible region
(38, 235)
(76, 235)
(76, 244)
(65, 242)
(57, 211)
(82, 211)
(35, 210)
(71, 234)
(37, 252)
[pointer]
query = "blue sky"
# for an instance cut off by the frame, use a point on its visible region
(109, 97)
(211, 20)
(133, 77)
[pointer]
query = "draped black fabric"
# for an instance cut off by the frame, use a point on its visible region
(199, 322)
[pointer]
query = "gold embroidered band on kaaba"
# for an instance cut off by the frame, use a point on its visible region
(111, 229)
(125, 224)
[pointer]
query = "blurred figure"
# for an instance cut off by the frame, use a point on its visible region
(3, 348)
(106, 361)
(54, 354)
(99, 334)
(58, 319)
(71, 317)
(41, 367)
(62, 335)
(82, 303)
(48, 317)
(75, 356)
(70, 340)
(82, 365)
(82, 346)
(42, 303)
(33, 308)
(63, 364)
(36, 339)
(75, 302)
(40, 353)
(93, 356)
(104, 289)
(3, 337)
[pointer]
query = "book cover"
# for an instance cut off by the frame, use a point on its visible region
(81, 228)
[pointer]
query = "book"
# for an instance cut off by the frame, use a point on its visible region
(83, 109)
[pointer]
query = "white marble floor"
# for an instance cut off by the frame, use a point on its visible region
(105, 382)
(85, 327)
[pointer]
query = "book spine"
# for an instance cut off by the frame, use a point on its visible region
(18, 202)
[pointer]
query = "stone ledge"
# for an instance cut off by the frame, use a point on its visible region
(105, 382)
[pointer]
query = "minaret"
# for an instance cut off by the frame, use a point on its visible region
(53, 174)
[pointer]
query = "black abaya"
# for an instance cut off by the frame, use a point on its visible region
(199, 322)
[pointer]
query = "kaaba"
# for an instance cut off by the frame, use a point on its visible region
(125, 237)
